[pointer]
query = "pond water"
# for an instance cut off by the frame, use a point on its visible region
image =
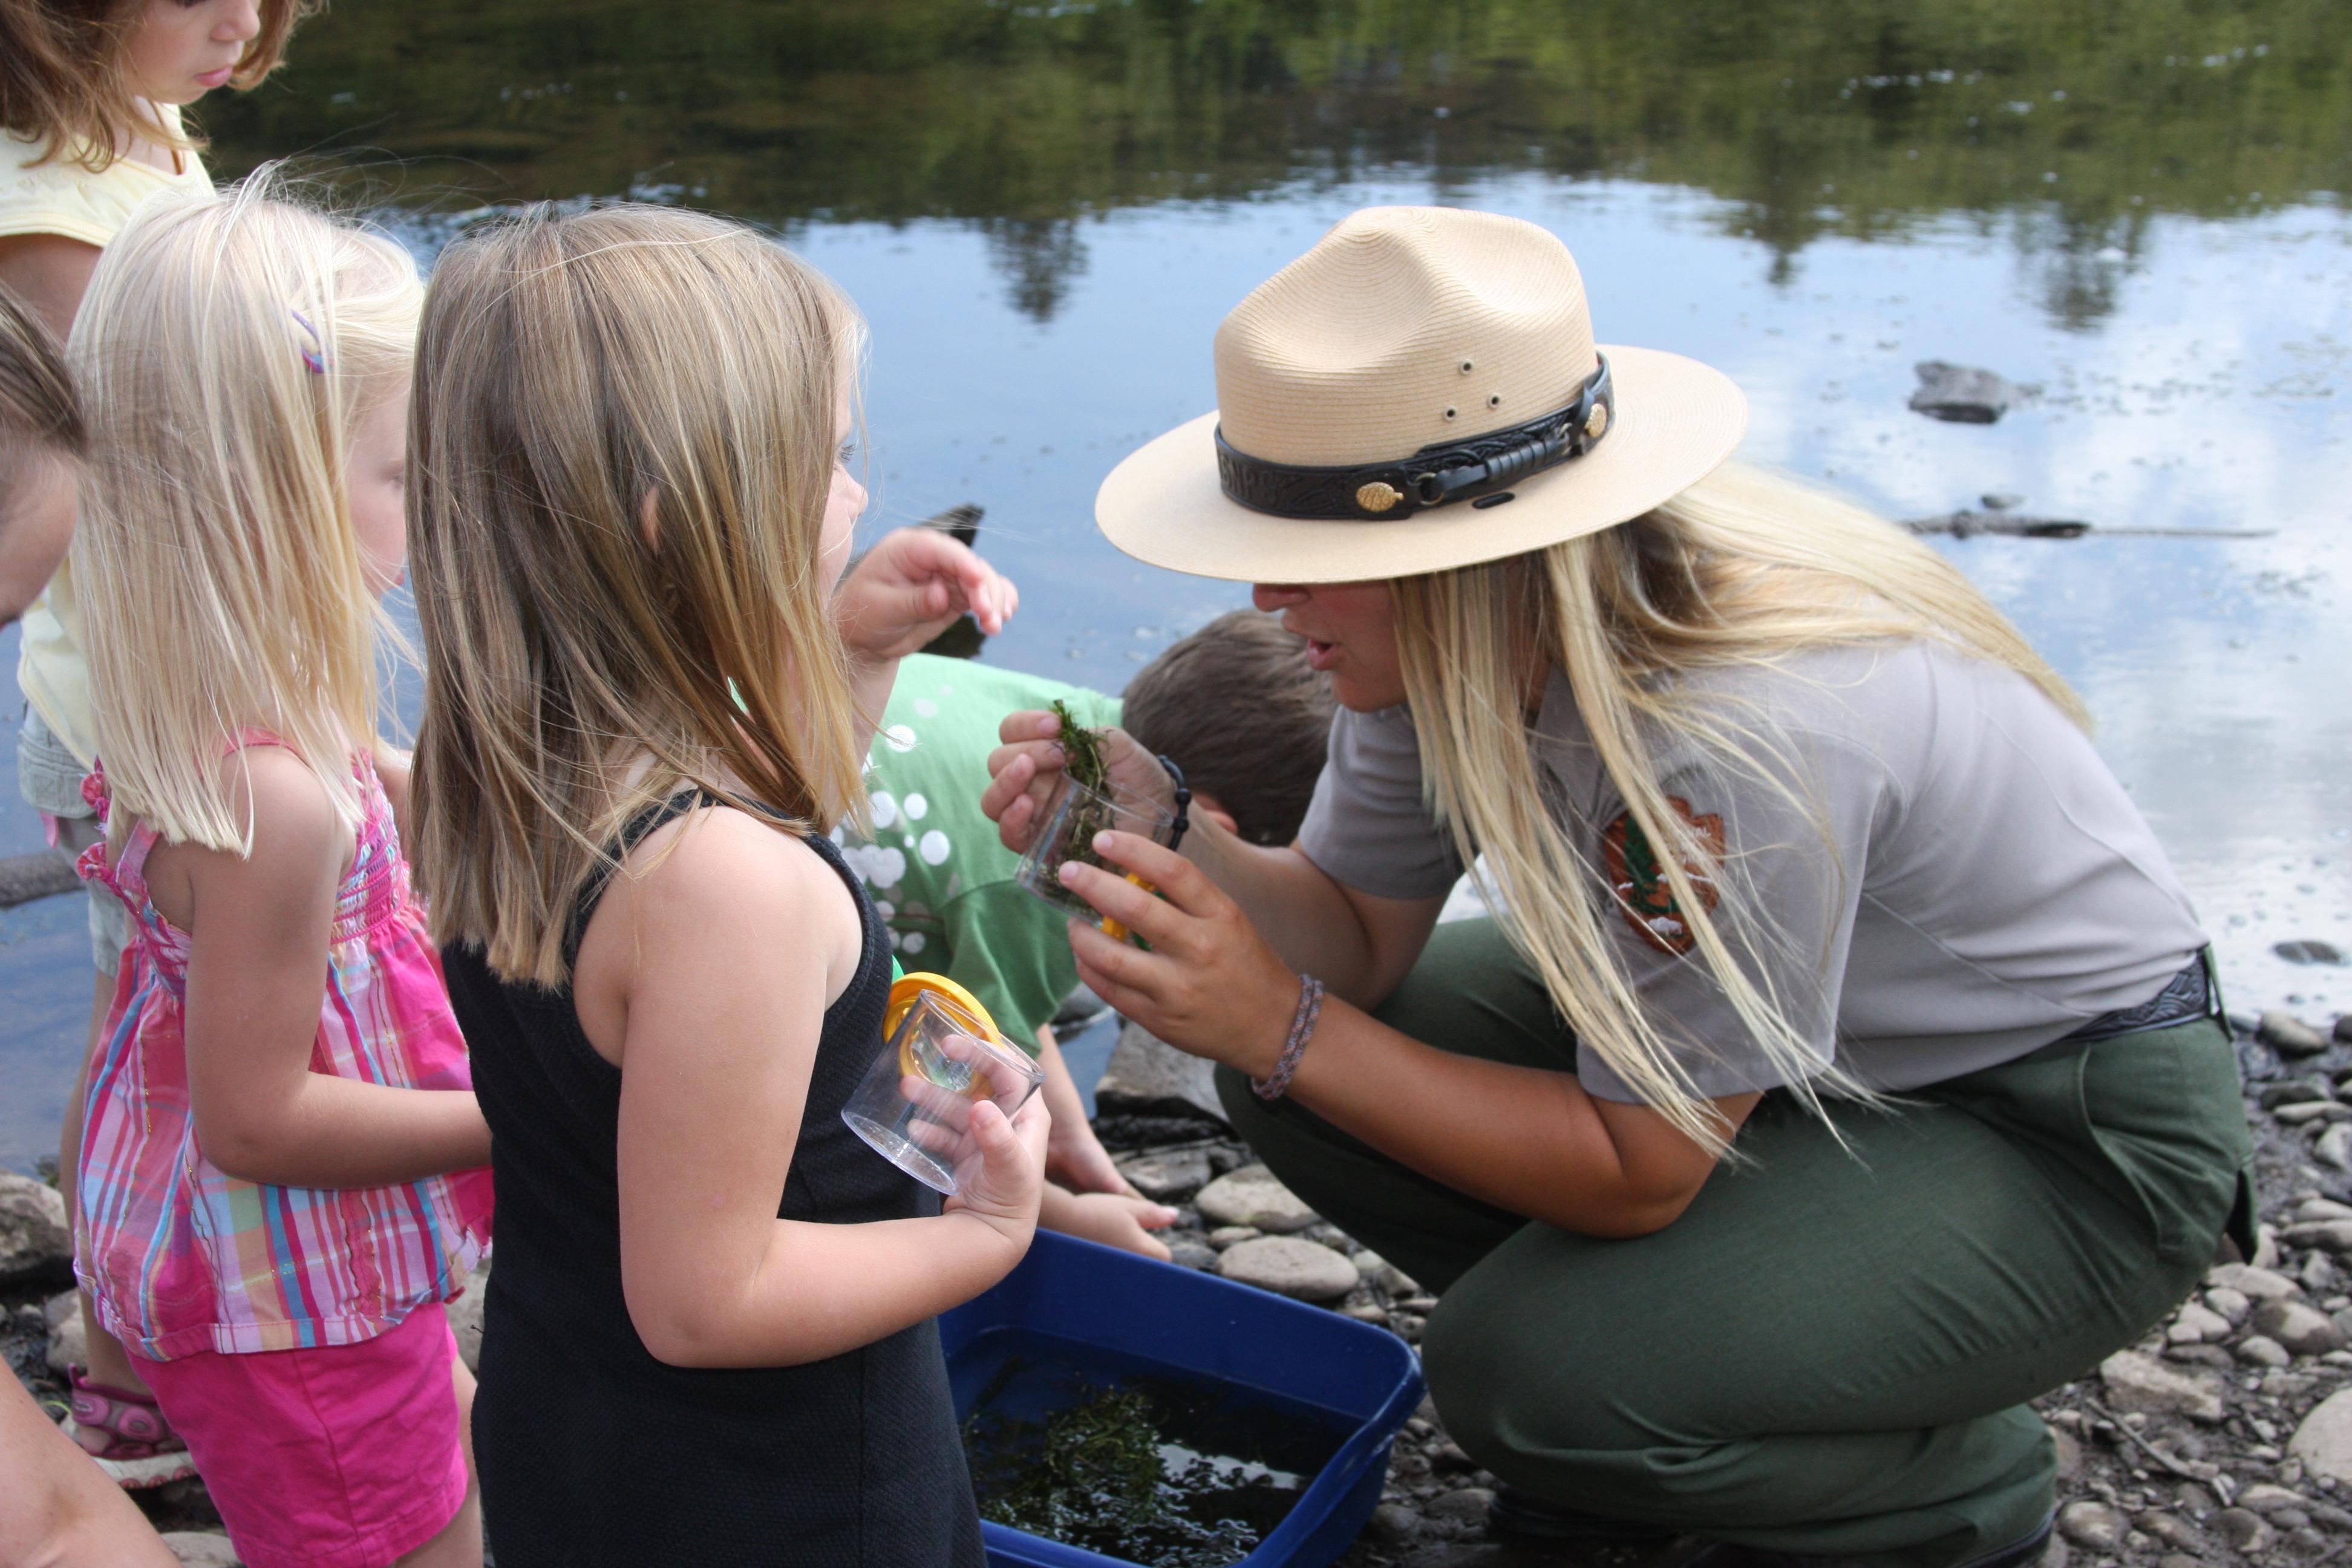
(1044, 210)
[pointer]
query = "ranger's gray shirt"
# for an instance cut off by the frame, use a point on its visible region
(1987, 887)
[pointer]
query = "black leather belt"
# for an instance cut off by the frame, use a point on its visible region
(2186, 997)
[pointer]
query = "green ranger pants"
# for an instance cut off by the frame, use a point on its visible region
(1831, 1349)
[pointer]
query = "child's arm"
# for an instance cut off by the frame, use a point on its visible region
(258, 930)
(707, 978)
(50, 273)
(392, 766)
(900, 595)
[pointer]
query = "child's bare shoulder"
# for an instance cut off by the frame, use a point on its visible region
(720, 864)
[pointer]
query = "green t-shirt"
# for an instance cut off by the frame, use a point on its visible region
(937, 872)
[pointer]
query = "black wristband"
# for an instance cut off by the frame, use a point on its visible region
(1183, 803)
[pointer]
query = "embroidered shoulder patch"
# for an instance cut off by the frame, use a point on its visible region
(1639, 883)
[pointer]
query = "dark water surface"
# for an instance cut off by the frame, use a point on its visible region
(1044, 210)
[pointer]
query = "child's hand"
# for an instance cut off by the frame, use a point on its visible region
(1026, 771)
(1003, 1178)
(1112, 1219)
(910, 587)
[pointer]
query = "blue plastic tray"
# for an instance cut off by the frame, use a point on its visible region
(1197, 1325)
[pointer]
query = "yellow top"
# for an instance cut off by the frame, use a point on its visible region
(907, 987)
(61, 197)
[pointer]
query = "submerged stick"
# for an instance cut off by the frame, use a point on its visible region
(1967, 524)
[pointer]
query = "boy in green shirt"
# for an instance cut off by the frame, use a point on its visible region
(1236, 706)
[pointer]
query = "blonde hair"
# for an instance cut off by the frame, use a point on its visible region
(1739, 572)
(221, 584)
(62, 82)
(570, 369)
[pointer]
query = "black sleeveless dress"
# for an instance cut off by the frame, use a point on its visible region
(592, 1452)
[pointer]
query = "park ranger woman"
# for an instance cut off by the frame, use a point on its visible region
(1839, 1070)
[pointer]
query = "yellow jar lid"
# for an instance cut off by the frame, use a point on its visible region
(907, 988)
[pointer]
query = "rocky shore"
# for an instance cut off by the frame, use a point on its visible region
(2223, 1437)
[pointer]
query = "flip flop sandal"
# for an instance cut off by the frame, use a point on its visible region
(126, 1434)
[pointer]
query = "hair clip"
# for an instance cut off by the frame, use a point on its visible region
(314, 358)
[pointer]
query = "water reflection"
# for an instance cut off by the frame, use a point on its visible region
(1044, 216)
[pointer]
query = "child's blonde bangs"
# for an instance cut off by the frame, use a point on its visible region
(226, 347)
(569, 369)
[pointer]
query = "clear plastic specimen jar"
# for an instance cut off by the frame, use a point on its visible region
(940, 1055)
(1067, 833)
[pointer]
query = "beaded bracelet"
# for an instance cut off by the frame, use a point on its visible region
(1183, 803)
(1277, 1084)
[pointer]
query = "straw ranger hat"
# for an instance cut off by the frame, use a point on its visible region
(1421, 391)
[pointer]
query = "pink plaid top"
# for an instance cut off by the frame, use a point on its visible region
(182, 1257)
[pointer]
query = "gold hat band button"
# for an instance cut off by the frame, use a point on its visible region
(1596, 423)
(1377, 496)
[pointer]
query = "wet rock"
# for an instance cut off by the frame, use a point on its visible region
(2230, 1304)
(2265, 1497)
(2307, 950)
(1963, 394)
(1290, 1267)
(1226, 1236)
(2289, 1035)
(465, 1316)
(1368, 1312)
(2173, 1531)
(68, 1340)
(2137, 1382)
(2295, 1091)
(2093, 1526)
(2244, 1529)
(2323, 1444)
(1251, 1195)
(2318, 1211)
(2304, 1112)
(2214, 1356)
(2334, 1146)
(201, 1549)
(2198, 1323)
(2343, 1030)
(2260, 1284)
(34, 1244)
(1148, 1077)
(43, 874)
(1395, 1521)
(1169, 1176)
(2260, 1350)
(2000, 501)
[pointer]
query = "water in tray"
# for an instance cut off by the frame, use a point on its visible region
(1122, 1457)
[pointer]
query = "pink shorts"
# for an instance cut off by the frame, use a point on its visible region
(344, 1456)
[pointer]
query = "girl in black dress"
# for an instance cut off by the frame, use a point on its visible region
(708, 1339)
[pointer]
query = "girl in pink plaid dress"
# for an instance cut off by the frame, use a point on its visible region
(281, 1172)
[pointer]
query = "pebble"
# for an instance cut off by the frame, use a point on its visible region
(201, 1549)
(2295, 1091)
(1225, 1235)
(1252, 1197)
(2311, 1210)
(2323, 1442)
(2173, 1531)
(2137, 1382)
(465, 1316)
(35, 1242)
(1467, 1504)
(2244, 1529)
(1396, 1520)
(2198, 1323)
(2230, 1303)
(1368, 1312)
(2307, 951)
(2289, 1035)
(68, 1340)
(2334, 1146)
(1290, 1267)
(2303, 1111)
(1169, 1177)
(1189, 1250)
(2301, 1328)
(2343, 1030)
(2260, 1350)
(2247, 1280)
(2093, 1526)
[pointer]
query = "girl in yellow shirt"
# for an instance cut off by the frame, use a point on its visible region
(89, 129)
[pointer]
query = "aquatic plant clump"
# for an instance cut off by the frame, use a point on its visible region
(1071, 828)
(1094, 1476)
